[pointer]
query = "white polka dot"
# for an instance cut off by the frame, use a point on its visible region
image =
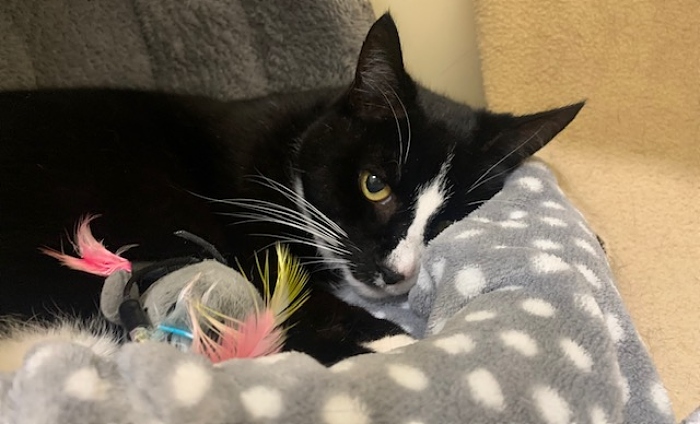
(545, 244)
(536, 165)
(438, 269)
(37, 359)
(554, 222)
(469, 233)
(660, 398)
(614, 327)
(485, 390)
(262, 402)
(389, 343)
(408, 377)
(509, 288)
(458, 343)
(624, 388)
(437, 326)
(576, 354)
(531, 183)
(538, 307)
(479, 316)
(583, 244)
(343, 366)
(470, 281)
(553, 205)
(273, 359)
(513, 224)
(86, 384)
(425, 282)
(519, 341)
(598, 416)
(517, 214)
(190, 382)
(588, 304)
(548, 263)
(481, 219)
(551, 406)
(378, 314)
(589, 275)
(585, 228)
(343, 409)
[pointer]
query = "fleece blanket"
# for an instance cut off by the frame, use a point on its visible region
(522, 323)
(636, 176)
(228, 49)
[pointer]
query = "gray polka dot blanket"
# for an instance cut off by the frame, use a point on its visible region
(517, 317)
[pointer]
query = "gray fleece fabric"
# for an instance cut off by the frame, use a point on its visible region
(517, 305)
(524, 325)
(228, 49)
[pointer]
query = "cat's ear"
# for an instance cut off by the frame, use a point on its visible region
(381, 82)
(515, 138)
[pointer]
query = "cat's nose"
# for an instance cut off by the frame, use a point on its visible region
(390, 276)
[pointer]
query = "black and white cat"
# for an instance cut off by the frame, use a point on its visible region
(358, 179)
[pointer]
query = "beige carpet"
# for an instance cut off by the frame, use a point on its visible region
(631, 161)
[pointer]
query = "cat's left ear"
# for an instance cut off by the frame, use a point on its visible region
(515, 138)
(381, 82)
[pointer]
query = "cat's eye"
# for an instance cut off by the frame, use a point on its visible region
(373, 187)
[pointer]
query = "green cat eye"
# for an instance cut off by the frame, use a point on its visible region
(373, 187)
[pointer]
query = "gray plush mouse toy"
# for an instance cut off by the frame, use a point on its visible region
(198, 305)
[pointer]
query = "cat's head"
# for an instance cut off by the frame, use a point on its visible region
(391, 164)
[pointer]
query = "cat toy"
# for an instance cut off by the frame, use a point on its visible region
(198, 305)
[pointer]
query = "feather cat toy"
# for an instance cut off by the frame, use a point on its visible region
(197, 305)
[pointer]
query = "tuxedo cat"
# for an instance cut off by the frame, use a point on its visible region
(358, 179)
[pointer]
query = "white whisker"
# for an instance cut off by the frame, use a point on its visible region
(476, 183)
(474, 187)
(252, 217)
(275, 210)
(396, 118)
(299, 201)
(289, 238)
(408, 123)
(478, 202)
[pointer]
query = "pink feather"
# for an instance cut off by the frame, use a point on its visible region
(257, 335)
(94, 258)
(220, 337)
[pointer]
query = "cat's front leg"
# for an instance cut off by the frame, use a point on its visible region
(331, 330)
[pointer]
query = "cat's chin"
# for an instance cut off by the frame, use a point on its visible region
(378, 289)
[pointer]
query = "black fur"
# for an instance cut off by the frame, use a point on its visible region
(149, 162)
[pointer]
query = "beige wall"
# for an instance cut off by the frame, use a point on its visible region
(439, 45)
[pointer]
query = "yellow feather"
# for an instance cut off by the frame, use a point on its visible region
(290, 290)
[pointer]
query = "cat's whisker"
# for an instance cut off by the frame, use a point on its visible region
(492, 177)
(481, 202)
(299, 201)
(288, 238)
(331, 263)
(273, 210)
(520, 146)
(247, 218)
(393, 112)
(408, 123)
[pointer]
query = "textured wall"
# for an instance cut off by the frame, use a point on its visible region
(439, 44)
(631, 160)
